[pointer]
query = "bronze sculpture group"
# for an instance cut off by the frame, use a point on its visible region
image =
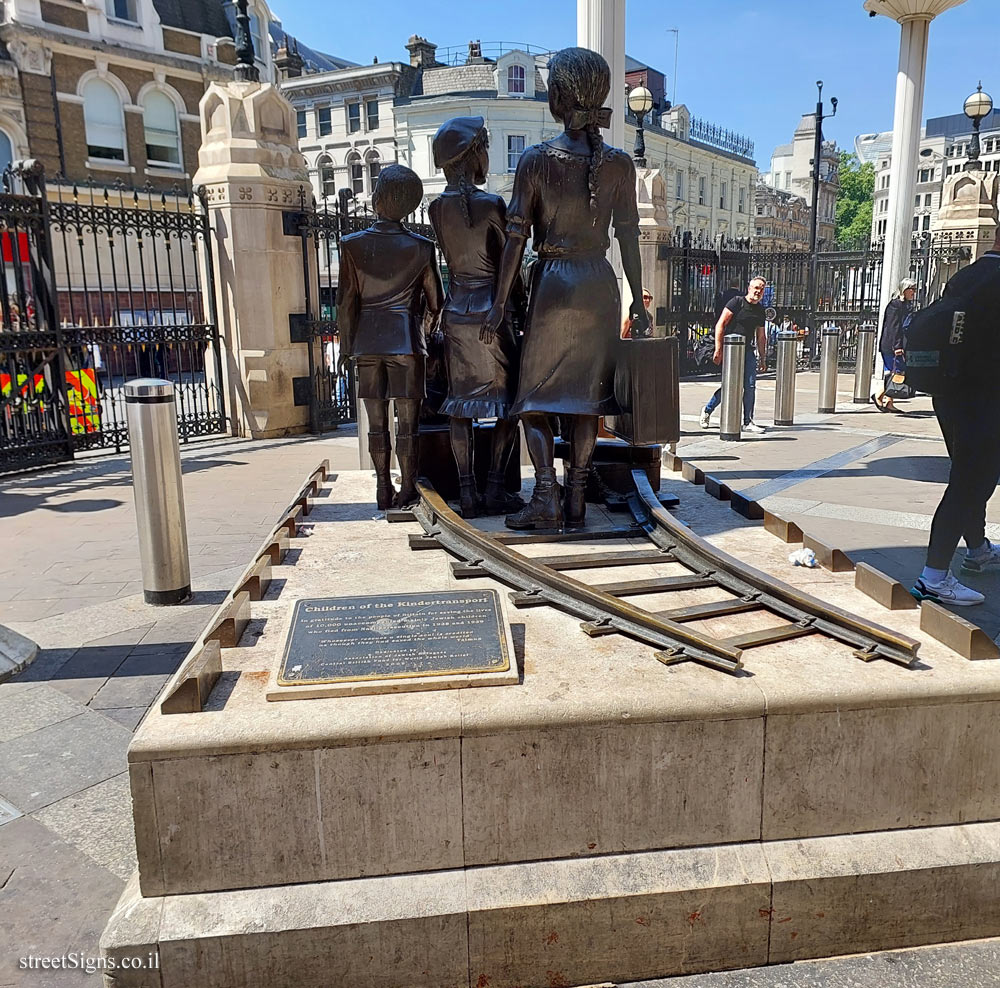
(567, 192)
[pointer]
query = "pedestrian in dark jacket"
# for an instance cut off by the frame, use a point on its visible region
(891, 344)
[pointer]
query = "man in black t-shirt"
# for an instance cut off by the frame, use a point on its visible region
(744, 315)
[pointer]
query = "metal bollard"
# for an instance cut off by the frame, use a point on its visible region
(828, 369)
(864, 366)
(784, 377)
(159, 494)
(734, 356)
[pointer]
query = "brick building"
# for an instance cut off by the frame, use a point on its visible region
(109, 89)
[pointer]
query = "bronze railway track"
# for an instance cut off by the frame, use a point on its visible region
(604, 609)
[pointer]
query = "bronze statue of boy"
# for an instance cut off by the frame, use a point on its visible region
(389, 292)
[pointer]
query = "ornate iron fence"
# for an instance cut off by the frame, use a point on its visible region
(848, 285)
(100, 286)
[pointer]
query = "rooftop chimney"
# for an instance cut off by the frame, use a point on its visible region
(423, 54)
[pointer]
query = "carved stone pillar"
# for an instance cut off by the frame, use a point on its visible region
(252, 172)
(654, 232)
(966, 223)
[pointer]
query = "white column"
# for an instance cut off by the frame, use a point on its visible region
(905, 148)
(600, 26)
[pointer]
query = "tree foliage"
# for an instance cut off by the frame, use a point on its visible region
(855, 201)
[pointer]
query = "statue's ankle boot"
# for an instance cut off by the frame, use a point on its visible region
(468, 499)
(544, 510)
(378, 446)
(407, 448)
(575, 503)
(498, 501)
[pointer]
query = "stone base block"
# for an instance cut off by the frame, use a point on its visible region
(615, 918)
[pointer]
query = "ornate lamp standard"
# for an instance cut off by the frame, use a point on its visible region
(246, 68)
(640, 102)
(977, 107)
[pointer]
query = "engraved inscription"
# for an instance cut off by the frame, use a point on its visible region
(350, 639)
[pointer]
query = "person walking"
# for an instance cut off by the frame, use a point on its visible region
(891, 343)
(744, 315)
(967, 412)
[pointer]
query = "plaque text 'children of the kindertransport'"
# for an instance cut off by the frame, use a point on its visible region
(392, 636)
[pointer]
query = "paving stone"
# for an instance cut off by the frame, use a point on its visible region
(129, 691)
(84, 674)
(55, 900)
(49, 764)
(45, 666)
(126, 716)
(131, 636)
(34, 708)
(97, 821)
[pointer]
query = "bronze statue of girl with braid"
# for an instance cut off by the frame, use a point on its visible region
(567, 192)
(471, 227)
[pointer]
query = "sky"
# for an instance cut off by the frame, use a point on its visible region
(747, 65)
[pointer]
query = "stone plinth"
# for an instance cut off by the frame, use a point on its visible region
(252, 171)
(654, 231)
(607, 818)
(966, 222)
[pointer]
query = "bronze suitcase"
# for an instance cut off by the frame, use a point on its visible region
(647, 387)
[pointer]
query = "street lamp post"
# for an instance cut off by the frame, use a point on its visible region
(977, 107)
(817, 163)
(246, 69)
(640, 102)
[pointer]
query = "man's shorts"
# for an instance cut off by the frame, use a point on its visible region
(391, 376)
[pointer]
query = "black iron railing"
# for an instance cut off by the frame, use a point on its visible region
(100, 285)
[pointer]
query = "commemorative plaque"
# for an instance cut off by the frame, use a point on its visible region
(394, 642)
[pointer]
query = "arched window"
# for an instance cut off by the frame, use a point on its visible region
(103, 121)
(6, 151)
(163, 139)
(356, 172)
(374, 167)
(257, 36)
(515, 79)
(327, 180)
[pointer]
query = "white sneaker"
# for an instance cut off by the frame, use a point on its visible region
(980, 562)
(754, 429)
(948, 591)
(706, 419)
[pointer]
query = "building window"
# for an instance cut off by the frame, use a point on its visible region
(257, 37)
(701, 191)
(6, 151)
(327, 179)
(928, 200)
(300, 123)
(680, 184)
(353, 118)
(723, 195)
(916, 223)
(926, 174)
(927, 223)
(743, 199)
(515, 148)
(515, 80)
(324, 121)
(159, 120)
(123, 10)
(103, 121)
(356, 170)
(371, 114)
(788, 180)
(374, 167)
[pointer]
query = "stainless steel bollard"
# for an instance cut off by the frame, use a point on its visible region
(864, 366)
(734, 357)
(828, 369)
(159, 494)
(784, 377)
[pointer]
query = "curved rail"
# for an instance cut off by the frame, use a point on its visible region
(871, 640)
(606, 612)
